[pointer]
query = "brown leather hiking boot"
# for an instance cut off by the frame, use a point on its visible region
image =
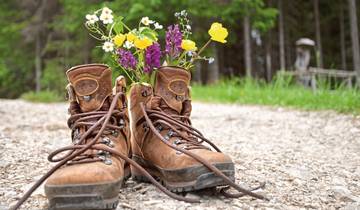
(163, 141)
(92, 178)
(95, 166)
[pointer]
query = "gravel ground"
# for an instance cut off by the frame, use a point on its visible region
(309, 160)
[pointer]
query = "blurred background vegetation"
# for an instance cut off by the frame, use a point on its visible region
(41, 39)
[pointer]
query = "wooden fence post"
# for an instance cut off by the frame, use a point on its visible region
(313, 81)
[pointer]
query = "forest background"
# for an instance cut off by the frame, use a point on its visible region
(41, 39)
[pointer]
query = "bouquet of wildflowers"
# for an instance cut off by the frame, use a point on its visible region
(137, 50)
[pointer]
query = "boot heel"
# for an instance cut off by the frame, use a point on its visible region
(137, 175)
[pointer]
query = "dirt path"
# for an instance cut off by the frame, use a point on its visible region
(308, 159)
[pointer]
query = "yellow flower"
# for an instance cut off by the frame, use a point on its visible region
(142, 43)
(218, 32)
(188, 45)
(119, 39)
(130, 37)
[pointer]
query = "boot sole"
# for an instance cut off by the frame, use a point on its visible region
(200, 176)
(85, 196)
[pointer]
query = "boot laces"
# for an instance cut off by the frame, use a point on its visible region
(80, 123)
(159, 116)
(75, 151)
(177, 125)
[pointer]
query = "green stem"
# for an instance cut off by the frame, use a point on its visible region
(196, 57)
(126, 26)
(140, 61)
(111, 28)
(203, 48)
(179, 59)
(182, 55)
(93, 36)
(138, 77)
(130, 77)
(95, 30)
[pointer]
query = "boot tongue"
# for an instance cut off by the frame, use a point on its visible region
(172, 86)
(92, 86)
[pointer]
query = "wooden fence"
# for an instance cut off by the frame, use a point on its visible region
(312, 72)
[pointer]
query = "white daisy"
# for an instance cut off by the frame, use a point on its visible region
(91, 19)
(108, 46)
(106, 18)
(158, 26)
(211, 60)
(128, 45)
(146, 21)
(106, 10)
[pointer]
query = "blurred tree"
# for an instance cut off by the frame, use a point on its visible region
(15, 63)
(247, 46)
(342, 36)
(281, 36)
(318, 34)
(40, 39)
(354, 38)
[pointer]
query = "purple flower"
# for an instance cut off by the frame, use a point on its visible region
(173, 41)
(152, 57)
(126, 59)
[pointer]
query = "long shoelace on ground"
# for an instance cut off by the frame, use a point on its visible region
(178, 124)
(76, 152)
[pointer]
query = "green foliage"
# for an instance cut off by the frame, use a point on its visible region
(262, 17)
(15, 62)
(282, 92)
(42, 97)
(69, 43)
(54, 76)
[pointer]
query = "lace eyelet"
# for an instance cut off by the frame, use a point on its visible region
(76, 136)
(114, 133)
(107, 141)
(108, 161)
(100, 153)
(111, 144)
(159, 128)
(144, 93)
(87, 98)
(104, 156)
(177, 141)
(145, 127)
(179, 98)
(170, 133)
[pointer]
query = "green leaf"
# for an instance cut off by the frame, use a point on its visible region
(149, 33)
(119, 26)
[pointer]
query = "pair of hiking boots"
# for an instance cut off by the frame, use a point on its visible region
(148, 137)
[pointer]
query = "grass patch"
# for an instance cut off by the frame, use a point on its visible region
(42, 97)
(281, 92)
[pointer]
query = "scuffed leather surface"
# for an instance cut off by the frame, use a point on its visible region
(95, 172)
(93, 80)
(85, 86)
(172, 85)
(152, 149)
(137, 93)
